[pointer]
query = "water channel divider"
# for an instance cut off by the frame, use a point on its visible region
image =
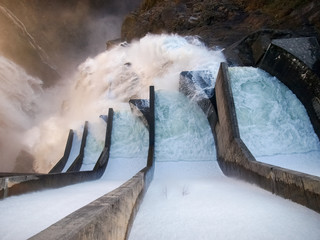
(16, 185)
(62, 162)
(110, 216)
(77, 163)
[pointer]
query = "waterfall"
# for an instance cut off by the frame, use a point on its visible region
(111, 79)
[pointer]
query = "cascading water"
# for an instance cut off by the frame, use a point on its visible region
(194, 200)
(182, 132)
(128, 155)
(273, 123)
(110, 80)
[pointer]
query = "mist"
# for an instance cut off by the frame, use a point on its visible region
(64, 33)
(41, 45)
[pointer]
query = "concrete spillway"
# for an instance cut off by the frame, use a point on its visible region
(189, 196)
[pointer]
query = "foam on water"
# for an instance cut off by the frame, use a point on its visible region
(194, 200)
(272, 121)
(94, 144)
(182, 132)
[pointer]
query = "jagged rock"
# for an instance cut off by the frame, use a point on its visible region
(220, 22)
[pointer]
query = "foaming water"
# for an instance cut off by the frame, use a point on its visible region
(194, 200)
(272, 121)
(130, 139)
(94, 144)
(182, 129)
(110, 80)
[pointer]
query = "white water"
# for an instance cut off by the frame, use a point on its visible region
(194, 200)
(104, 81)
(182, 132)
(94, 144)
(110, 80)
(224, 203)
(272, 121)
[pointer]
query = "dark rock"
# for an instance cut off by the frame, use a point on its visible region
(292, 61)
(222, 22)
(249, 50)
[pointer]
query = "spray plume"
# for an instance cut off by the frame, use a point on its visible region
(110, 80)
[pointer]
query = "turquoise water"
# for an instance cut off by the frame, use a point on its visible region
(182, 130)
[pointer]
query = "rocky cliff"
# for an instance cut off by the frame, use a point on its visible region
(222, 22)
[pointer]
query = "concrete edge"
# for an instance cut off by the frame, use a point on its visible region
(108, 217)
(62, 162)
(77, 163)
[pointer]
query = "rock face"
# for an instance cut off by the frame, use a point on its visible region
(220, 22)
(295, 62)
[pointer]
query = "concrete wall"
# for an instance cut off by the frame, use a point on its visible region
(237, 161)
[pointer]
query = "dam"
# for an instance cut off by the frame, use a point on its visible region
(164, 163)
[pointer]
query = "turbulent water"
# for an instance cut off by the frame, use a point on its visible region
(182, 132)
(272, 121)
(109, 80)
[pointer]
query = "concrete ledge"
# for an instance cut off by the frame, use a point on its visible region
(105, 218)
(237, 161)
